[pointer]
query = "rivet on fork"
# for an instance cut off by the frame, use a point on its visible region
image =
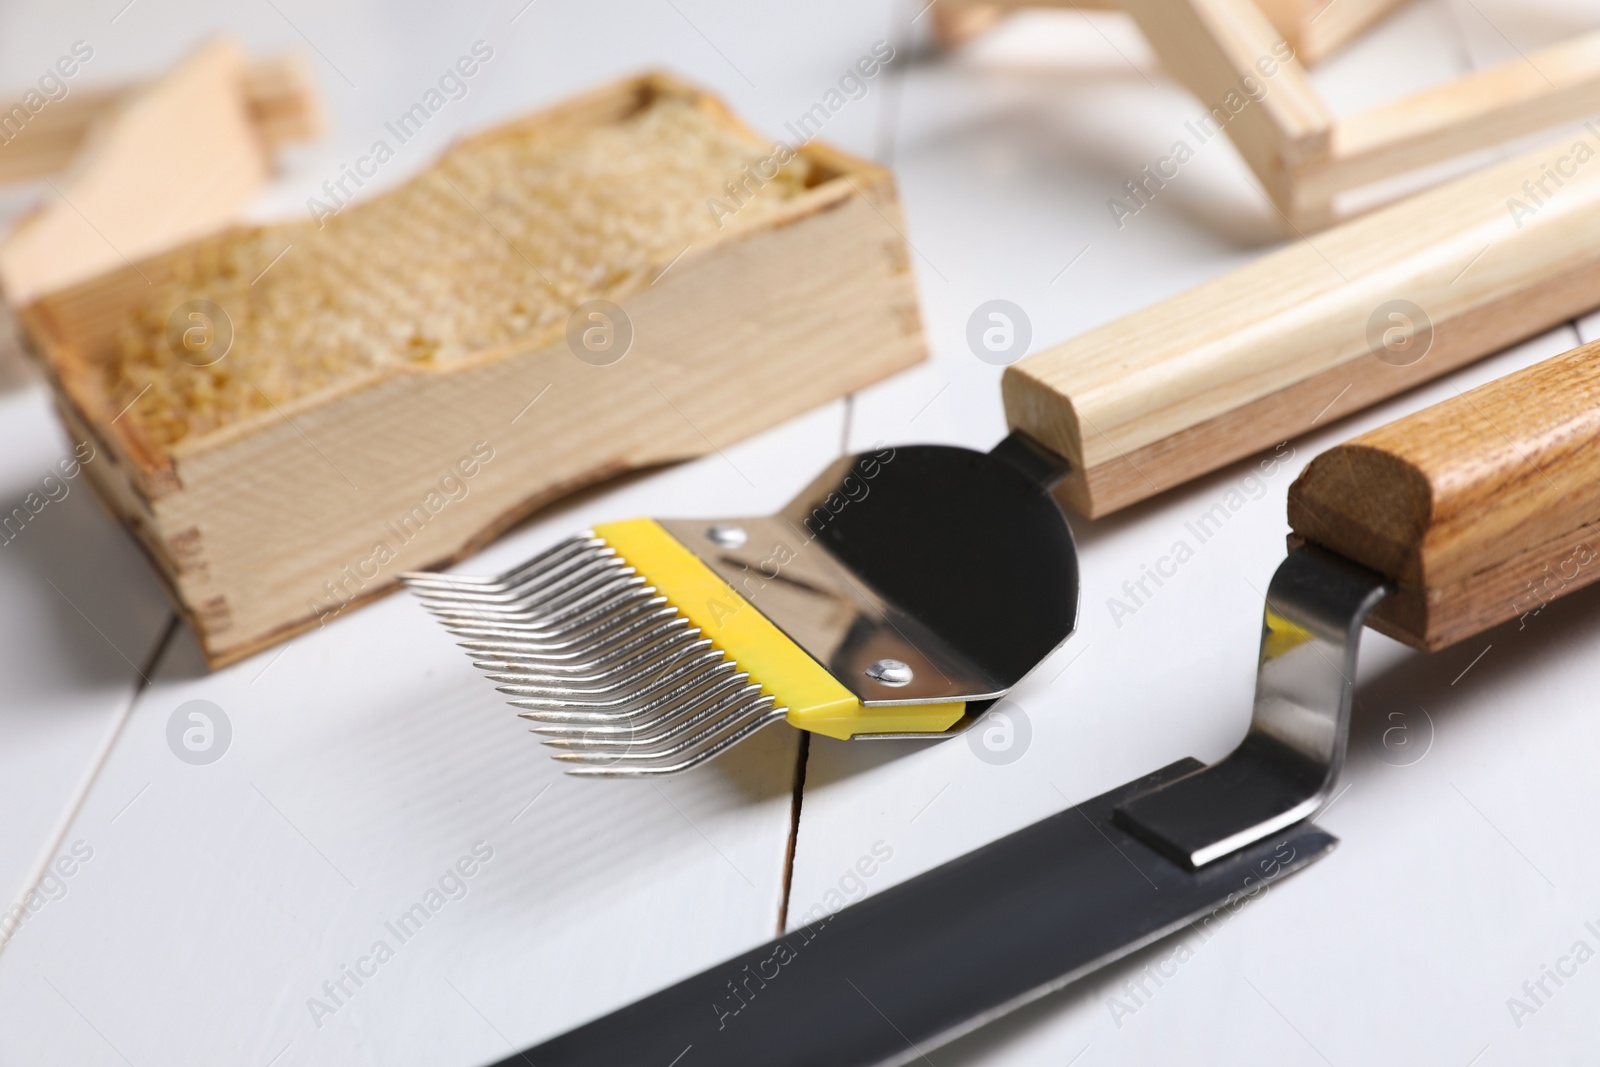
(890, 672)
(727, 535)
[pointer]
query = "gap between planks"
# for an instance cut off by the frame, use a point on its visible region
(803, 754)
(75, 803)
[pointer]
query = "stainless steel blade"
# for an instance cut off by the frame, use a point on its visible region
(883, 981)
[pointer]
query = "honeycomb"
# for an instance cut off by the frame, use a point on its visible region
(494, 244)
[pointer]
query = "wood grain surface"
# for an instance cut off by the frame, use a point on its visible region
(1317, 28)
(149, 166)
(1308, 333)
(1481, 508)
(1304, 155)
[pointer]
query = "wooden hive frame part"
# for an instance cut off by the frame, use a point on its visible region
(137, 168)
(1304, 155)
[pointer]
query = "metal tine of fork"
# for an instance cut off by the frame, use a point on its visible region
(583, 541)
(694, 717)
(551, 556)
(639, 676)
(575, 619)
(630, 705)
(660, 705)
(519, 666)
(578, 621)
(707, 752)
(591, 609)
(731, 720)
(629, 695)
(600, 639)
(582, 644)
(632, 654)
(557, 556)
(631, 676)
(630, 610)
(708, 692)
(586, 685)
(528, 586)
(708, 681)
(601, 645)
(584, 616)
(626, 616)
(546, 587)
(554, 611)
(528, 583)
(632, 648)
(648, 737)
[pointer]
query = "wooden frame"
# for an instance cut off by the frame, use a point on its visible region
(1305, 157)
(188, 150)
(1315, 29)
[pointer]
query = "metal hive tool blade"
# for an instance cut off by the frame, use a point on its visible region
(885, 981)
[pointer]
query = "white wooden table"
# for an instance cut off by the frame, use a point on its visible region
(210, 909)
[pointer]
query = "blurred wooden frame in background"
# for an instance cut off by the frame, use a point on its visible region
(1305, 156)
(136, 169)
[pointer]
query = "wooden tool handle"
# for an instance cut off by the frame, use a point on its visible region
(1481, 509)
(1317, 330)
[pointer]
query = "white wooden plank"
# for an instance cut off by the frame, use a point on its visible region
(1588, 328)
(367, 758)
(81, 617)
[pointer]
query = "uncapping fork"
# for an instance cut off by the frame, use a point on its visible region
(897, 596)
(1432, 529)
